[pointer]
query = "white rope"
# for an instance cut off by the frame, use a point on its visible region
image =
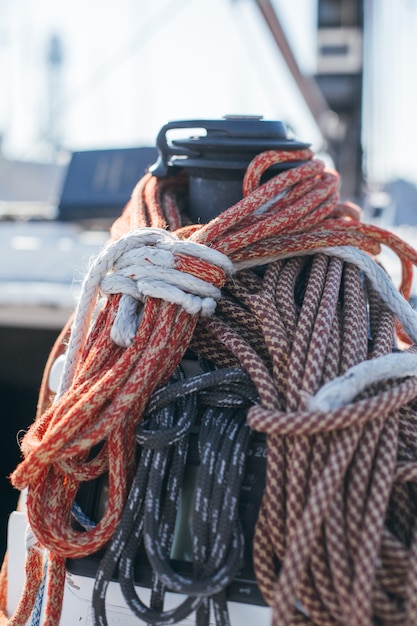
(126, 322)
(382, 284)
(150, 273)
(342, 390)
(379, 279)
(140, 264)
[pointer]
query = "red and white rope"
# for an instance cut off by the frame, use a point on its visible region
(339, 504)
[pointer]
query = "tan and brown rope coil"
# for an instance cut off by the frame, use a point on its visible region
(340, 501)
(335, 542)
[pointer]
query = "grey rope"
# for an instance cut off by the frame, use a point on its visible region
(211, 406)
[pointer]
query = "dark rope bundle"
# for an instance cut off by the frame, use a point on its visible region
(215, 404)
(339, 505)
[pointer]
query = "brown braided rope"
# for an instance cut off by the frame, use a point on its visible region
(334, 542)
(337, 490)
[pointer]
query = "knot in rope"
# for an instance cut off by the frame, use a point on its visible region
(339, 501)
(153, 262)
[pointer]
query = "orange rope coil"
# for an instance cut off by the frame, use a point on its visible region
(339, 495)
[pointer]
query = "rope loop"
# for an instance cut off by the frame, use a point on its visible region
(263, 161)
(153, 262)
(339, 503)
(146, 262)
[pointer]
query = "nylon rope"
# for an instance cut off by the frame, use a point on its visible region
(214, 400)
(339, 504)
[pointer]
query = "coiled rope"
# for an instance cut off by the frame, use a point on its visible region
(217, 401)
(339, 504)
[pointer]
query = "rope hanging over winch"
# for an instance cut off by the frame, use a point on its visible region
(339, 503)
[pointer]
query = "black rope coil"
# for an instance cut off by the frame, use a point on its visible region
(213, 404)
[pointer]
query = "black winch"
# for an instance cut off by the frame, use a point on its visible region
(216, 156)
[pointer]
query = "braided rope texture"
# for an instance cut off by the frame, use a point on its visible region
(339, 504)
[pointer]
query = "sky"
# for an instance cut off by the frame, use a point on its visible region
(390, 90)
(130, 66)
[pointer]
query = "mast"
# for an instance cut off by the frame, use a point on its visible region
(334, 94)
(340, 76)
(54, 65)
(309, 89)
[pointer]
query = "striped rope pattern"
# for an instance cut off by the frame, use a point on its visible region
(339, 501)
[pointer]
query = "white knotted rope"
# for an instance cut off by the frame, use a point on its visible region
(342, 390)
(140, 264)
